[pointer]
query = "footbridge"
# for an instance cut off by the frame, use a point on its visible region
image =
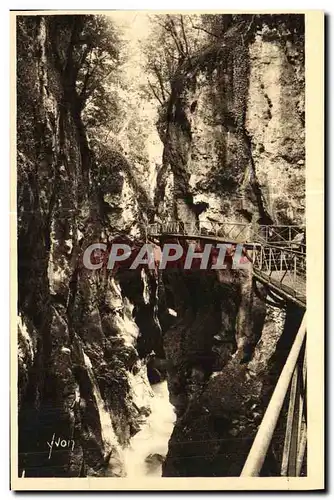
(277, 253)
(238, 232)
(278, 257)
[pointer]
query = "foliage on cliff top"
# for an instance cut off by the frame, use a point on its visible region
(182, 42)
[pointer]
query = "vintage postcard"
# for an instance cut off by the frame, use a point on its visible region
(166, 220)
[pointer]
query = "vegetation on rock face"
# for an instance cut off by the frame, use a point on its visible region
(74, 356)
(85, 174)
(202, 81)
(227, 150)
(85, 51)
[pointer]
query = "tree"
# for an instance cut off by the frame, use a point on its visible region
(86, 52)
(172, 42)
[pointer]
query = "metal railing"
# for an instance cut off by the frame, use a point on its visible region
(286, 261)
(236, 231)
(293, 375)
(293, 236)
(283, 268)
(282, 265)
(239, 232)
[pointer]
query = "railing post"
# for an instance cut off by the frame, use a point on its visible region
(302, 428)
(289, 424)
(269, 261)
(293, 426)
(264, 435)
(250, 233)
(302, 448)
(281, 261)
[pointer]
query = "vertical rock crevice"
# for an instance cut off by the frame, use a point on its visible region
(241, 158)
(79, 349)
(90, 342)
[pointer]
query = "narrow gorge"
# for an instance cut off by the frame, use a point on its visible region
(124, 121)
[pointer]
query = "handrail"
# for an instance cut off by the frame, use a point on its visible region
(279, 234)
(301, 226)
(282, 264)
(267, 427)
(284, 250)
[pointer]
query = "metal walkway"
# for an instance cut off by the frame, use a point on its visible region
(283, 270)
(277, 253)
(278, 256)
(239, 232)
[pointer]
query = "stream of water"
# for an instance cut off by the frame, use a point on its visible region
(149, 446)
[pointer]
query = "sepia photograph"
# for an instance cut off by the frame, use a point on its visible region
(161, 246)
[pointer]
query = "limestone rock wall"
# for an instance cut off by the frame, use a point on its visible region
(234, 130)
(233, 150)
(78, 351)
(233, 133)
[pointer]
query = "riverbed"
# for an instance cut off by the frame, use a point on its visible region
(149, 446)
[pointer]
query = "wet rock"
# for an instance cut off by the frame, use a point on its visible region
(153, 461)
(240, 158)
(77, 336)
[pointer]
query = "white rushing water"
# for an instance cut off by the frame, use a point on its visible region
(153, 437)
(107, 431)
(151, 442)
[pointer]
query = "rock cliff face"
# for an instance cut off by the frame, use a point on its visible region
(233, 128)
(233, 150)
(78, 335)
(233, 134)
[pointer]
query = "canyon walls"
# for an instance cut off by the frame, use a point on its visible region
(233, 126)
(231, 129)
(78, 354)
(233, 134)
